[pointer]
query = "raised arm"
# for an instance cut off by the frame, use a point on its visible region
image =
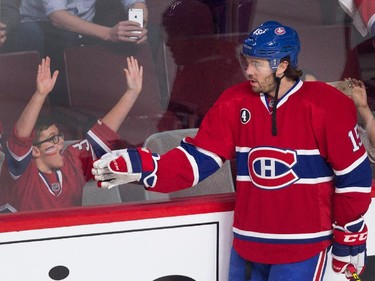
(44, 85)
(359, 97)
(134, 78)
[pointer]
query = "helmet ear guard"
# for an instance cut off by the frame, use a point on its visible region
(274, 42)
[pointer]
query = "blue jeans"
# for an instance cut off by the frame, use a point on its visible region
(308, 270)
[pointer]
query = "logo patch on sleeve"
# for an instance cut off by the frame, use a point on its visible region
(245, 116)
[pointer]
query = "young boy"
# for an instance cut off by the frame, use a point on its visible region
(38, 173)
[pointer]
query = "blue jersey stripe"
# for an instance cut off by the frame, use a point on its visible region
(206, 163)
(17, 165)
(306, 166)
(359, 177)
(98, 146)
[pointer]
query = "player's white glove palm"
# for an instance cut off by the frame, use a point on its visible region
(124, 166)
(349, 248)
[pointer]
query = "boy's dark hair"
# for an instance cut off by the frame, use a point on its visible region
(43, 123)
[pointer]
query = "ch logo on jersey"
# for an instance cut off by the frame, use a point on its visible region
(271, 168)
(245, 116)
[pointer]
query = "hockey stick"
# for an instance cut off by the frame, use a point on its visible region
(353, 272)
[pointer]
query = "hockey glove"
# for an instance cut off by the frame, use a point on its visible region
(349, 248)
(124, 166)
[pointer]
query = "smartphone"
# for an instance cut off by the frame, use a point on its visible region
(137, 16)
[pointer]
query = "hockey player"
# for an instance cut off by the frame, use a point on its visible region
(303, 176)
(38, 173)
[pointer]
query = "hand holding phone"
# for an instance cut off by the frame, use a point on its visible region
(137, 16)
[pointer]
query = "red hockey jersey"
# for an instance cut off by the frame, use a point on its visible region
(291, 187)
(28, 189)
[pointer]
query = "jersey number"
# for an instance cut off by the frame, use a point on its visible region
(84, 144)
(355, 138)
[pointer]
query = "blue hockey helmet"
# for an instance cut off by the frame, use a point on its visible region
(273, 41)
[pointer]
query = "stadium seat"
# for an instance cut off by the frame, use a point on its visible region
(96, 81)
(17, 83)
(18, 72)
(93, 195)
(323, 51)
(200, 63)
(201, 78)
(220, 182)
(242, 13)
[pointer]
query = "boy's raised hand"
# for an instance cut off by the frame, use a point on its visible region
(44, 81)
(134, 75)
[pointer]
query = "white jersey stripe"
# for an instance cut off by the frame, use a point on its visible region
(276, 236)
(214, 156)
(353, 189)
(300, 181)
(99, 141)
(193, 164)
(298, 151)
(320, 266)
(352, 166)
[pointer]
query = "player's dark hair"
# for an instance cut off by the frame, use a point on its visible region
(292, 73)
(43, 122)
